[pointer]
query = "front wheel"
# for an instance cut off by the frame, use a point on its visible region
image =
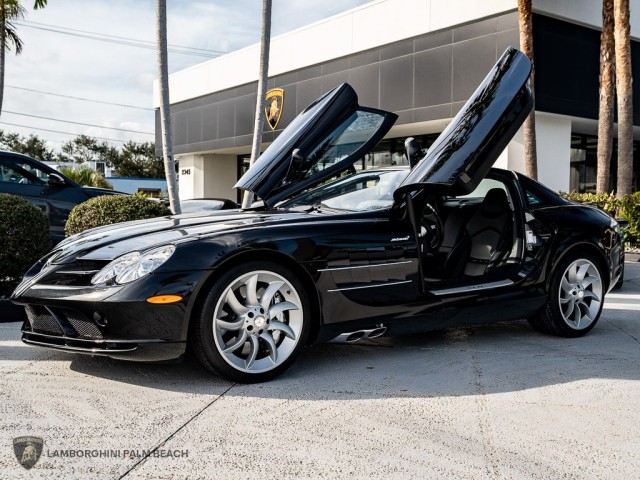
(253, 323)
(575, 298)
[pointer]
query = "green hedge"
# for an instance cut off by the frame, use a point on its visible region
(630, 210)
(108, 209)
(24, 235)
(627, 207)
(605, 201)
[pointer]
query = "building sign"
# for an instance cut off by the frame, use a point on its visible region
(274, 102)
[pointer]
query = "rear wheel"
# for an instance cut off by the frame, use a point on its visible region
(253, 323)
(575, 298)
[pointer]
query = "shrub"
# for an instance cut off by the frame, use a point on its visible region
(630, 210)
(108, 209)
(86, 177)
(24, 233)
(604, 201)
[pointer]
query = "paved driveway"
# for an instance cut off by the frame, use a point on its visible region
(494, 402)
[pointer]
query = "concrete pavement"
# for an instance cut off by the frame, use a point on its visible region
(493, 402)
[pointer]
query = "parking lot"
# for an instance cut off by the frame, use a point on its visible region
(493, 402)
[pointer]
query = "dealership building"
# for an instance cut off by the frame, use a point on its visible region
(420, 59)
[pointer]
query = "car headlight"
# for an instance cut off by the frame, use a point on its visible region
(134, 265)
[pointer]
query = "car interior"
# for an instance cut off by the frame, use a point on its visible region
(470, 238)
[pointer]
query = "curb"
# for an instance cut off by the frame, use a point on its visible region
(632, 257)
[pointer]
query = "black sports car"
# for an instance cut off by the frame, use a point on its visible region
(448, 242)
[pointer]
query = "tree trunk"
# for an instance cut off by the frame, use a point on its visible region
(525, 16)
(607, 91)
(263, 75)
(625, 97)
(165, 113)
(3, 46)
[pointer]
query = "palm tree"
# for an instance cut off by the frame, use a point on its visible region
(525, 16)
(265, 41)
(625, 97)
(86, 176)
(11, 10)
(607, 91)
(165, 113)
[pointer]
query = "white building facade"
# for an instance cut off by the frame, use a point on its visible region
(420, 59)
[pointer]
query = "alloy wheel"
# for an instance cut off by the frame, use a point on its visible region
(580, 294)
(258, 321)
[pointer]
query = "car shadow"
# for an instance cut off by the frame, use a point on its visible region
(456, 362)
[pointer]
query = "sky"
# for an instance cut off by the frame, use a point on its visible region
(62, 59)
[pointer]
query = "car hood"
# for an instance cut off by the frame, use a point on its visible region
(112, 241)
(465, 151)
(325, 139)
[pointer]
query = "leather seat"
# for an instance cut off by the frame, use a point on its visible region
(487, 238)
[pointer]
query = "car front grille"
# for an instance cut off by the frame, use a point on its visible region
(61, 321)
(75, 274)
(42, 321)
(81, 324)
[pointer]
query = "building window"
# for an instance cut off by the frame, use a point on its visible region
(584, 164)
(101, 168)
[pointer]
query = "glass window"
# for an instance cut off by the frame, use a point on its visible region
(361, 191)
(483, 187)
(17, 171)
(342, 142)
(584, 164)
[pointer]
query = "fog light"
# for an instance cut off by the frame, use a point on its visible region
(100, 319)
(163, 299)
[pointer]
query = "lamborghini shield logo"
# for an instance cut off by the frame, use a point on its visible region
(273, 104)
(28, 450)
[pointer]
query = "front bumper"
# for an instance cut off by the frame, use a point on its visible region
(116, 322)
(70, 330)
(151, 350)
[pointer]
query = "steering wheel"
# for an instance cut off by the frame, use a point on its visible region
(431, 229)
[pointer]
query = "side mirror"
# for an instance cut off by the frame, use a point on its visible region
(296, 157)
(413, 151)
(55, 180)
(297, 160)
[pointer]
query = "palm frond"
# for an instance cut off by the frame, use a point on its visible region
(11, 10)
(11, 37)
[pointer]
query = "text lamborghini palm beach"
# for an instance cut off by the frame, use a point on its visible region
(445, 241)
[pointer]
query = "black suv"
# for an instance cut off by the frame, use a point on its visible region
(44, 187)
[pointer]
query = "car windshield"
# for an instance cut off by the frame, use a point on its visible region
(201, 205)
(367, 190)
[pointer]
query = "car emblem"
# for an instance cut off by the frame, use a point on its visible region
(28, 450)
(273, 104)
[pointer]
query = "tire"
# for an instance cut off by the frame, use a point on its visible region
(253, 323)
(575, 298)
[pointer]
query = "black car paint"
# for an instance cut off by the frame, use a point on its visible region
(465, 151)
(316, 245)
(379, 248)
(56, 199)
